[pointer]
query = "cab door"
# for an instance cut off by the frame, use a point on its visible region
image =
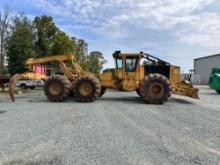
(130, 73)
(119, 68)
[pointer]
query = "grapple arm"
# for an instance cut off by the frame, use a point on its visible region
(184, 88)
(12, 85)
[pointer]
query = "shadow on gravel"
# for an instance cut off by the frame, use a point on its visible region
(1, 112)
(121, 99)
(135, 100)
(45, 100)
(55, 160)
(37, 100)
(180, 101)
(210, 94)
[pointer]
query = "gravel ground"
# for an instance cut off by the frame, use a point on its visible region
(118, 128)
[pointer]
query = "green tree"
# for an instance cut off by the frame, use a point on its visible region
(20, 44)
(74, 41)
(45, 31)
(62, 44)
(81, 52)
(95, 62)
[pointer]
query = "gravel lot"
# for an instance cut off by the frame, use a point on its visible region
(118, 128)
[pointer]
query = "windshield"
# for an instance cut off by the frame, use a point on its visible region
(131, 64)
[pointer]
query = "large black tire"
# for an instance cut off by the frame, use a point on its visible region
(155, 88)
(86, 88)
(57, 88)
(218, 91)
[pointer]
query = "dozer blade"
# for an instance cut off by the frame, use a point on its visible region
(185, 89)
(12, 85)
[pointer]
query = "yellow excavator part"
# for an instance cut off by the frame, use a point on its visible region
(71, 74)
(185, 88)
(24, 76)
(33, 76)
(41, 60)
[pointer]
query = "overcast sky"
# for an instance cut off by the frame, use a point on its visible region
(175, 30)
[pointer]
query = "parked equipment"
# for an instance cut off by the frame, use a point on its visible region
(54, 84)
(214, 81)
(31, 80)
(32, 84)
(155, 81)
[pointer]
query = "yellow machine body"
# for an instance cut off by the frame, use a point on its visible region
(33, 76)
(128, 79)
(112, 78)
(154, 80)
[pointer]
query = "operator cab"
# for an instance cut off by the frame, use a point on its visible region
(129, 60)
(126, 63)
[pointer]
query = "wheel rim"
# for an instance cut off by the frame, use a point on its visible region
(85, 89)
(156, 89)
(55, 88)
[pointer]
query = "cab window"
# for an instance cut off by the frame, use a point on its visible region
(131, 64)
(119, 63)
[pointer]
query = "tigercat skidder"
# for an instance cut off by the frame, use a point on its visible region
(155, 81)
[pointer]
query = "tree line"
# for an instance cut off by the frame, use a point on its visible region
(22, 38)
